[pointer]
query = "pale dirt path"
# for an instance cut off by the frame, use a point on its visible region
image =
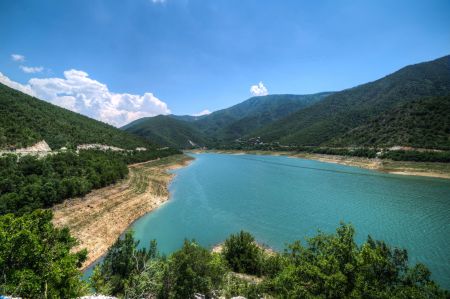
(101, 216)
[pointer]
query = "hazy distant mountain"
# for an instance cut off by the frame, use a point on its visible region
(245, 117)
(25, 120)
(167, 130)
(222, 126)
(325, 122)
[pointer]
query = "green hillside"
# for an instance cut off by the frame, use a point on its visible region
(167, 130)
(343, 111)
(25, 120)
(420, 123)
(243, 118)
(223, 126)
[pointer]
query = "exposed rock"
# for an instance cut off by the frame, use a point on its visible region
(40, 148)
(98, 146)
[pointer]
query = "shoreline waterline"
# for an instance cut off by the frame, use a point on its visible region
(407, 168)
(99, 218)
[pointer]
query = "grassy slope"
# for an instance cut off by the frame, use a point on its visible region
(24, 120)
(348, 109)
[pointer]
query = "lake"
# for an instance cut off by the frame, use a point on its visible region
(280, 199)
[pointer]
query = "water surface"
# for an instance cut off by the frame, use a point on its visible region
(282, 199)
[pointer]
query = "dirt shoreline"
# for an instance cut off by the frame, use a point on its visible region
(425, 169)
(101, 216)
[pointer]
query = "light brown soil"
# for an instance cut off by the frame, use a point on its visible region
(101, 216)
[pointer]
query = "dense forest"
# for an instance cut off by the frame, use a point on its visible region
(29, 182)
(420, 123)
(25, 120)
(326, 266)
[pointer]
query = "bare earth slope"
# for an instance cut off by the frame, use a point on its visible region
(99, 218)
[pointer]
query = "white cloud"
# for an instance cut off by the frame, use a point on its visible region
(23, 88)
(259, 89)
(18, 57)
(79, 93)
(31, 69)
(158, 1)
(203, 112)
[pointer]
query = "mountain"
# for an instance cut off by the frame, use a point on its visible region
(25, 120)
(423, 123)
(167, 130)
(222, 126)
(243, 118)
(326, 121)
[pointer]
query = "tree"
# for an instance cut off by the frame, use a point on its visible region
(35, 258)
(334, 266)
(193, 269)
(242, 253)
(123, 267)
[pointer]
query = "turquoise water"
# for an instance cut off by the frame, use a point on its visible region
(282, 199)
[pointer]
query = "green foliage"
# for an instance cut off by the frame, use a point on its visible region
(234, 286)
(139, 273)
(35, 258)
(122, 265)
(193, 269)
(421, 123)
(25, 120)
(417, 156)
(242, 253)
(329, 266)
(334, 266)
(28, 183)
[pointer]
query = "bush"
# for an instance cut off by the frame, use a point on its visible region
(36, 259)
(193, 269)
(242, 253)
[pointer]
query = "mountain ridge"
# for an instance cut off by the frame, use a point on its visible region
(26, 120)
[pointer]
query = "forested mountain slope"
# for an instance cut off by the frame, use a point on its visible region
(343, 111)
(167, 130)
(25, 120)
(243, 118)
(423, 123)
(223, 126)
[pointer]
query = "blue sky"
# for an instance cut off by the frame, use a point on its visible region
(196, 55)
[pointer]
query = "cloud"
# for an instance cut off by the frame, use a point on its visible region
(23, 88)
(31, 69)
(158, 1)
(203, 112)
(18, 57)
(259, 89)
(79, 93)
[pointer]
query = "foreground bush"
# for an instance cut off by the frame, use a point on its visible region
(329, 266)
(35, 258)
(242, 253)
